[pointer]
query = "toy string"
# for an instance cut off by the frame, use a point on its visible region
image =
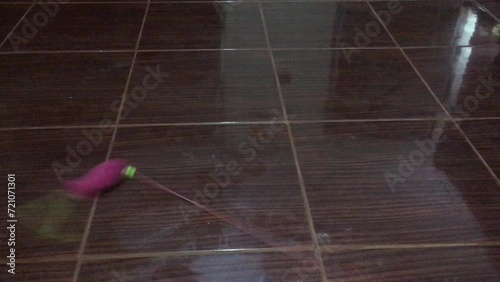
(263, 236)
(148, 180)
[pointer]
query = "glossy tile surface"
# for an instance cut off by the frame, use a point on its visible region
(347, 84)
(203, 26)
(301, 123)
(37, 90)
(232, 267)
(80, 27)
(322, 25)
(439, 264)
(466, 80)
(484, 135)
(11, 14)
(363, 189)
(45, 271)
(210, 86)
(49, 224)
(8, 2)
(438, 23)
(226, 168)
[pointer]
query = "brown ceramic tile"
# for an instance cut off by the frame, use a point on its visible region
(8, 2)
(80, 27)
(438, 23)
(11, 14)
(203, 26)
(261, 191)
(48, 222)
(342, 84)
(61, 89)
(41, 271)
(363, 189)
(201, 87)
(323, 24)
(436, 265)
(247, 172)
(272, 267)
(107, 1)
(486, 138)
(232, 3)
(466, 80)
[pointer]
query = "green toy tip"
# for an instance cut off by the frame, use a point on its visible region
(130, 172)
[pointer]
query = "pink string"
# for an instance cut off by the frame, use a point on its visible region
(262, 236)
(147, 180)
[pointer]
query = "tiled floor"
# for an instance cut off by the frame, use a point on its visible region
(353, 140)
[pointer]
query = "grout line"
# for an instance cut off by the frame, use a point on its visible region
(18, 23)
(211, 1)
(477, 153)
(236, 123)
(364, 120)
(455, 123)
(369, 47)
(449, 46)
(477, 118)
(197, 253)
(186, 50)
(156, 2)
(229, 49)
(189, 1)
(200, 123)
(110, 256)
(85, 237)
(86, 232)
(55, 258)
(303, 248)
(334, 248)
(139, 125)
(218, 123)
(202, 50)
(64, 51)
(331, 48)
(482, 7)
(431, 47)
(18, 3)
(286, 1)
(307, 208)
(203, 2)
(96, 2)
(52, 127)
(128, 50)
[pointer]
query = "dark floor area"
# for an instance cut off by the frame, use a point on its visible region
(354, 140)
